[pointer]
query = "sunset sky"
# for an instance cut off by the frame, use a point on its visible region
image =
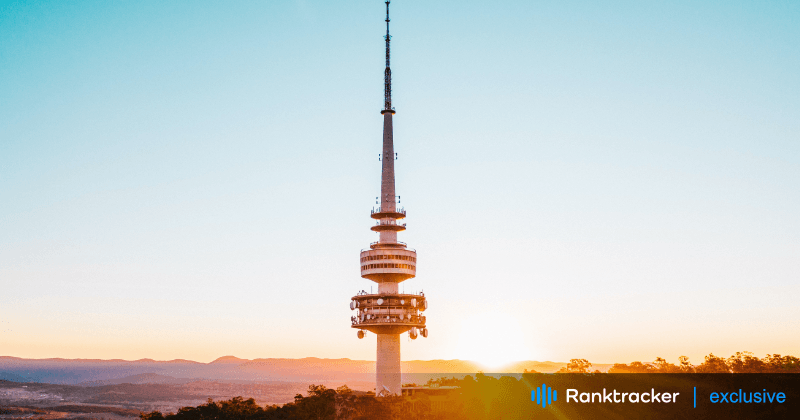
(613, 181)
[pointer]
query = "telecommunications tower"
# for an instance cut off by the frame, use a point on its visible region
(388, 313)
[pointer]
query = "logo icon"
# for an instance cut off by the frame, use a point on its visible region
(544, 395)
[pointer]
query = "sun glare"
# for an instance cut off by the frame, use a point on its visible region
(492, 339)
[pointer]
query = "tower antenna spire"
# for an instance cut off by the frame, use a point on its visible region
(387, 74)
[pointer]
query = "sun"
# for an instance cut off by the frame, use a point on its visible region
(492, 339)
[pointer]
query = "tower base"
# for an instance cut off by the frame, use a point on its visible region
(387, 372)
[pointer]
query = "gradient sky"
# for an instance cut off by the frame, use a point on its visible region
(614, 181)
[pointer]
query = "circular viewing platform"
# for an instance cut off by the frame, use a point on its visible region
(388, 226)
(393, 214)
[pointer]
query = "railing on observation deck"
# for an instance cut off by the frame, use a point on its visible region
(363, 294)
(387, 243)
(390, 223)
(379, 210)
(390, 243)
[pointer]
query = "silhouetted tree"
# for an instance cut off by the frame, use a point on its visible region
(576, 366)
(345, 402)
(713, 364)
(685, 366)
(320, 404)
(155, 415)
(745, 362)
(785, 364)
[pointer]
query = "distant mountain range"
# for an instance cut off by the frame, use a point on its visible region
(93, 372)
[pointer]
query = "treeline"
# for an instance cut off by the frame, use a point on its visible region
(477, 397)
(741, 362)
(320, 403)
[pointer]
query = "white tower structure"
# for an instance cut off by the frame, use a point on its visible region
(388, 262)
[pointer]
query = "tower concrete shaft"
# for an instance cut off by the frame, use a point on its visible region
(388, 198)
(387, 369)
(388, 262)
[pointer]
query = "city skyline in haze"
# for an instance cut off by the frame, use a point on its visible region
(188, 181)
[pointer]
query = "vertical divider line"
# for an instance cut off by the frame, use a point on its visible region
(544, 395)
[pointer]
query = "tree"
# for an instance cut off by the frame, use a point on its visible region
(618, 368)
(576, 366)
(685, 366)
(239, 408)
(662, 366)
(745, 362)
(345, 402)
(634, 367)
(320, 404)
(713, 364)
(785, 364)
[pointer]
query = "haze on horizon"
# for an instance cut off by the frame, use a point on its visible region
(612, 182)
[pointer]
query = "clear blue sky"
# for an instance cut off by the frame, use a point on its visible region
(613, 181)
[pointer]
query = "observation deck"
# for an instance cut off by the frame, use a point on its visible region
(392, 264)
(388, 224)
(380, 213)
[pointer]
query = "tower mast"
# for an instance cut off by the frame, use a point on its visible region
(387, 74)
(388, 262)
